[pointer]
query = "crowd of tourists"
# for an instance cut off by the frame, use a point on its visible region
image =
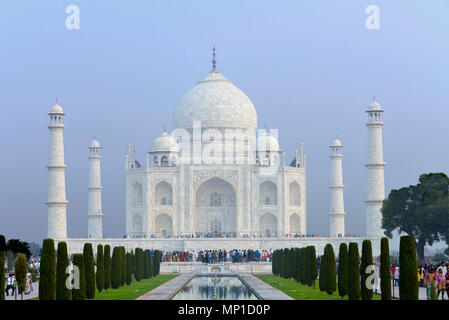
(218, 256)
(436, 275)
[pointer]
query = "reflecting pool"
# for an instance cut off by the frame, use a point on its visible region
(215, 287)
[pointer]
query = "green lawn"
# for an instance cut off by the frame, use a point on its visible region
(135, 289)
(299, 291)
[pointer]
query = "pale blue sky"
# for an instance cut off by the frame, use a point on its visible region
(310, 68)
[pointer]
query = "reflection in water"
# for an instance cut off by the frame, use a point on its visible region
(215, 288)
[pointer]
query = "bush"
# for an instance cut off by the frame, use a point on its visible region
(116, 273)
(331, 276)
(62, 292)
(99, 277)
(302, 269)
(353, 272)
(312, 266)
(89, 269)
(107, 266)
(128, 268)
(385, 271)
(408, 264)
(2, 275)
(80, 292)
(146, 264)
(21, 272)
(343, 270)
(367, 260)
(157, 268)
(123, 266)
(323, 270)
(47, 282)
(139, 268)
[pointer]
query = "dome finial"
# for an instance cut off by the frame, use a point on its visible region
(214, 61)
(164, 127)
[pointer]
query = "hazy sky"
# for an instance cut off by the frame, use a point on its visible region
(310, 68)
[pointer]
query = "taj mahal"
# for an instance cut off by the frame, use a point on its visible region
(216, 181)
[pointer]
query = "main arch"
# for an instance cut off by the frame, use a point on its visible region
(216, 208)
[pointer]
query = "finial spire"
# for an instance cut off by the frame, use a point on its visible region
(214, 61)
(164, 127)
(374, 97)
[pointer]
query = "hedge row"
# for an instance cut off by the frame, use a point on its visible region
(111, 272)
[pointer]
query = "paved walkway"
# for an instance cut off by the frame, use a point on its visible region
(264, 290)
(166, 290)
(33, 294)
(395, 293)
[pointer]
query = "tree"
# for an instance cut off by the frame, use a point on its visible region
(367, 260)
(2, 274)
(408, 275)
(331, 276)
(2, 243)
(323, 270)
(99, 277)
(47, 282)
(21, 273)
(150, 265)
(343, 270)
(89, 269)
(116, 274)
(62, 292)
(420, 210)
(128, 268)
(107, 266)
(80, 292)
(297, 264)
(17, 246)
(123, 265)
(156, 262)
(353, 272)
(146, 264)
(312, 266)
(385, 271)
(139, 272)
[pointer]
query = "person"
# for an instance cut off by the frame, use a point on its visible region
(440, 282)
(29, 283)
(447, 285)
(443, 268)
(10, 284)
(430, 276)
(396, 276)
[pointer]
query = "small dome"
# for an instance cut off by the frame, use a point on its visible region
(165, 143)
(266, 142)
(57, 109)
(336, 143)
(95, 144)
(374, 106)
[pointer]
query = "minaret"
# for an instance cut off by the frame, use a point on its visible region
(337, 208)
(375, 191)
(94, 213)
(56, 203)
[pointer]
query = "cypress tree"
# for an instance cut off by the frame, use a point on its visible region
(99, 277)
(157, 268)
(116, 275)
(302, 269)
(353, 272)
(385, 272)
(89, 270)
(2, 275)
(313, 266)
(285, 263)
(297, 264)
(323, 271)
(138, 274)
(107, 266)
(62, 292)
(123, 264)
(146, 265)
(80, 293)
(128, 268)
(21, 273)
(47, 282)
(408, 264)
(133, 256)
(331, 276)
(367, 260)
(150, 265)
(343, 270)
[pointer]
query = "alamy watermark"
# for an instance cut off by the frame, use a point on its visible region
(72, 21)
(373, 20)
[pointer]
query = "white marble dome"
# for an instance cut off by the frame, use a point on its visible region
(375, 106)
(266, 142)
(57, 109)
(165, 143)
(217, 103)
